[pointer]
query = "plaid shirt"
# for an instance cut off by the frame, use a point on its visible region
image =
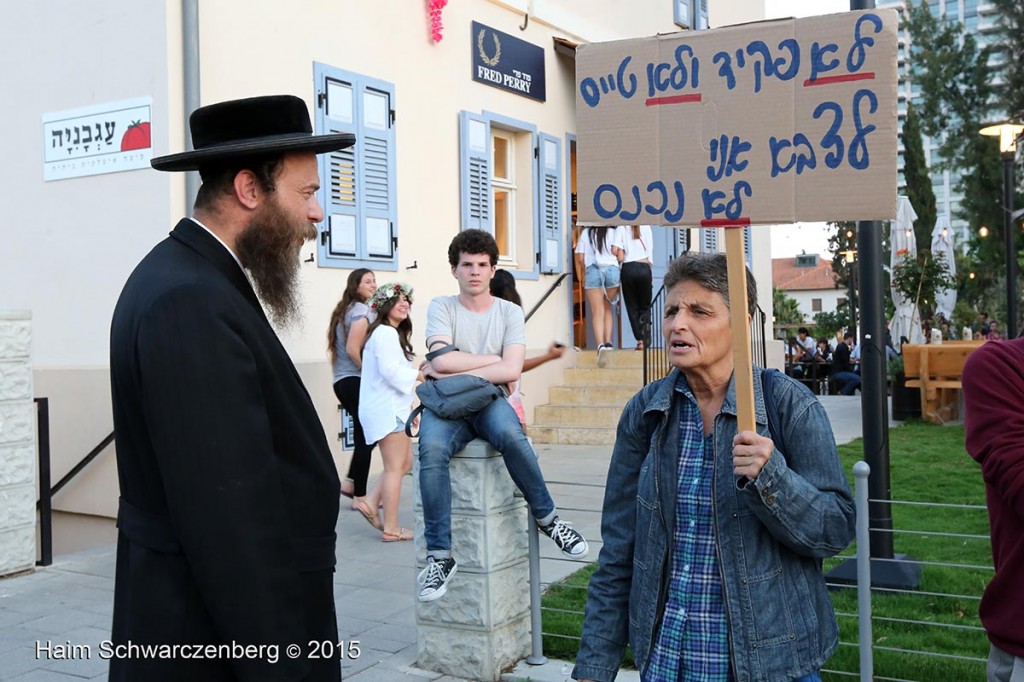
(693, 642)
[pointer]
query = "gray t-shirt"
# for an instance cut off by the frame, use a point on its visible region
(343, 365)
(485, 333)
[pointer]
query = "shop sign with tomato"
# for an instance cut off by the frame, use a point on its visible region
(105, 138)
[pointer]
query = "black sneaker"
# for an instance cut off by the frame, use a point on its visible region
(567, 538)
(602, 354)
(433, 579)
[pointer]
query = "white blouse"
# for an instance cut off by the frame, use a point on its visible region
(386, 388)
(591, 256)
(636, 249)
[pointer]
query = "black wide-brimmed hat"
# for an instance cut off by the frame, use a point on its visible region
(255, 126)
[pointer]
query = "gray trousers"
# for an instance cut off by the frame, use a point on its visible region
(1004, 667)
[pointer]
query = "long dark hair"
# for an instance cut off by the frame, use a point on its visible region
(404, 327)
(503, 285)
(350, 296)
(599, 238)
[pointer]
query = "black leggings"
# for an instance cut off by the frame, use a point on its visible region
(636, 293)
(347, 391)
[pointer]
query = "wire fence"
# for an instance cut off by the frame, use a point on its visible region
(925, 631)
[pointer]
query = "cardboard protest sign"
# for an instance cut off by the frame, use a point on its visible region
(762, 123)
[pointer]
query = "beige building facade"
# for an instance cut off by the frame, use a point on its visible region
(429, 133)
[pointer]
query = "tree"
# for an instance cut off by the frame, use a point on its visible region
(787, 310)
(957, 99)
(919, 183)
(919, 277)
(1011, 44)
(826, 324)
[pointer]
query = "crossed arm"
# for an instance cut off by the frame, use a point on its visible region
(498, 369)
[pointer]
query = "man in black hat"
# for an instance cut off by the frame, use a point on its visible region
(229, 494)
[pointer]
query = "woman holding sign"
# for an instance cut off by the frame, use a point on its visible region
(713, 539)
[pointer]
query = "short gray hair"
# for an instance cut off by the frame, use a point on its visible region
(711, 271)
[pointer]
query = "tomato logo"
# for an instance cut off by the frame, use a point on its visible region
(136, 137)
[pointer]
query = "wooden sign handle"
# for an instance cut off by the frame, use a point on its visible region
(740, 326)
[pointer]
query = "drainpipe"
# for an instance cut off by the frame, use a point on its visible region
(190, 68)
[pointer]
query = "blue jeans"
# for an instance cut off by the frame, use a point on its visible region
(849, 380)
(441, 438)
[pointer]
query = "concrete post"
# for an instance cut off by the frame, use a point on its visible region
(482, 624)
(17, 445)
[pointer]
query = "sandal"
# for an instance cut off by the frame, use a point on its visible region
(639, 345)
(403, 535)
(370, 517)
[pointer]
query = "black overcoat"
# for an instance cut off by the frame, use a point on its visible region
(229, 494)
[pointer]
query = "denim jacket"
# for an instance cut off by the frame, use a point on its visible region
(772, 534)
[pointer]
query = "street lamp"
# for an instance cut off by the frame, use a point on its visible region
(850, 257)
(1008, 133)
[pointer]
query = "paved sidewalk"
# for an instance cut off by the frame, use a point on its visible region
(70, 602)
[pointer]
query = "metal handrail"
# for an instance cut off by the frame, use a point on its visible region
(45, 502)
(543, 298)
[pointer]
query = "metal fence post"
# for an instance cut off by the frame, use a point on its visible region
(45, 496)
(537, 656)
(861, 470)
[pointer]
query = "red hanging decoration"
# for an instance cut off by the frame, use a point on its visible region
(435, 19)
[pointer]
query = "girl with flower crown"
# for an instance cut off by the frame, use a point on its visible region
(385, 401)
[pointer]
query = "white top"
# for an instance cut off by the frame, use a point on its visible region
(636, 249)
(386, 389)
(592, 256)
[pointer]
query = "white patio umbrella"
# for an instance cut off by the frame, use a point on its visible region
(906, 321)
(943, 243)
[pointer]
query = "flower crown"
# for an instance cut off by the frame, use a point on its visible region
(388, 291)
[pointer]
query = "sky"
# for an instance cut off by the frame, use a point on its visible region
(790, 240)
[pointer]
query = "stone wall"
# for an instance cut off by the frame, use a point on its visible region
(17, 445)
(482, 624)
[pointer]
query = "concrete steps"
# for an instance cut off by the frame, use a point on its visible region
(585, 410)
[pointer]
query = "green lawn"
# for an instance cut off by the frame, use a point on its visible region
(928, 464)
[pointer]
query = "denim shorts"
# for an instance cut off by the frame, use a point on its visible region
(598, 276)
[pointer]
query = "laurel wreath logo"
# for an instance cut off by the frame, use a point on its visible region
(489, 61)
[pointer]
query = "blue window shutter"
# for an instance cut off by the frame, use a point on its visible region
(475, 172)
(550, 204)
(709, 240)
(339, 175)
(376, 145)
(357, 184)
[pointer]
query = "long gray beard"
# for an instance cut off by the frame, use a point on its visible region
(267, 251)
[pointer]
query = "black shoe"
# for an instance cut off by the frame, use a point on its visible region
(567, 538)
(602, 354)
(433, 579)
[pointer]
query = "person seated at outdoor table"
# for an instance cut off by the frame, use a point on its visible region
(806, 342)
(823, 355)
(714, 537)
(842, 367)
(993, 331)
(794, 351)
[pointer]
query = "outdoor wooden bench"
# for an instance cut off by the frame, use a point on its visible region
(936, 370)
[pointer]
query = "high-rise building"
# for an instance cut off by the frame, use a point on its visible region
(979, 18)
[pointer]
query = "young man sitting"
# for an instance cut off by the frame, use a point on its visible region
(488, 334)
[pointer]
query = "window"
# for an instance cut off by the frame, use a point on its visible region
(357, 184)
(511, 186)
(709, 240)
(815, 305)
(503, 192)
